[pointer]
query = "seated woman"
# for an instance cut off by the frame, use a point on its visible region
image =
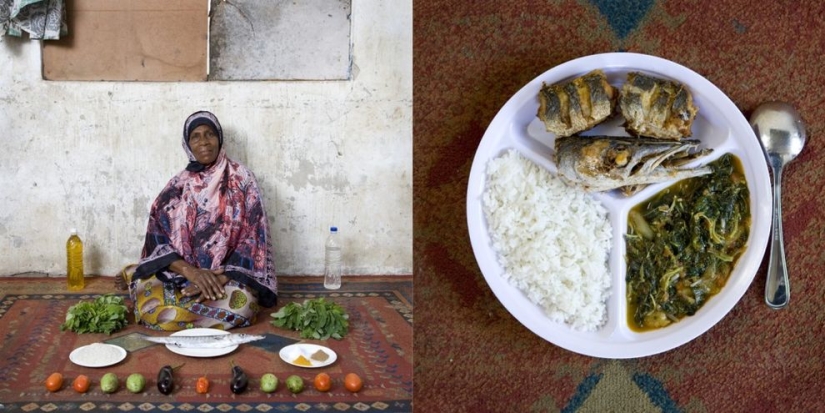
(206, 259)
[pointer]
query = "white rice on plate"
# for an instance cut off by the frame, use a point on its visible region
(553, 241)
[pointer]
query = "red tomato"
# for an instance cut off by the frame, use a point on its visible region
(81, 384)
(54, 382)
(323, 382)
(353, 383)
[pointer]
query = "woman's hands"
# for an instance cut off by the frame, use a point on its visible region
(208, 283)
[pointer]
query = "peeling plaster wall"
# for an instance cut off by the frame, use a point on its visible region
(93, 155)
(297, 40)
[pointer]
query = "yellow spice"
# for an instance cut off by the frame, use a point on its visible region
(302, 361)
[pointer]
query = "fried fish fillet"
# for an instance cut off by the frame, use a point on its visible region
(603, 163)
(584, 102)
(656, 108)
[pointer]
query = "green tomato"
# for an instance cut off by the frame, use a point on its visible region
(295, 384)
(135, 382)
(109, 383)
(269, 383)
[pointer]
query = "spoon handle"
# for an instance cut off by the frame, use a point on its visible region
(777, 288)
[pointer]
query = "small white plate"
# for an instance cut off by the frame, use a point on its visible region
(97, 355)
(292, 351)
(200, 352)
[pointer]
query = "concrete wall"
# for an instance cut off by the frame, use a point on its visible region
(93, 155)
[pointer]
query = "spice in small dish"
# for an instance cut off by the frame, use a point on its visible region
(302, 361)
(320, 355)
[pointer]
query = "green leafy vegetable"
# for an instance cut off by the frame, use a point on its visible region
(106, 314)
(315, 319)
(683, 243)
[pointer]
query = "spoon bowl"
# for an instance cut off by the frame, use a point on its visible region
(781, 131)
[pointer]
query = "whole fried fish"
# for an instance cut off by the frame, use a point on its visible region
(212, 341)
(584, 102)
(656, 108)
(603, 163)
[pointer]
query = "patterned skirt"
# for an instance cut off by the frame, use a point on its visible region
(161, 306)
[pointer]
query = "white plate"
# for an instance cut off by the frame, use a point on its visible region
(200, 352)
(292, 351)
(719, 125)
(97, 355)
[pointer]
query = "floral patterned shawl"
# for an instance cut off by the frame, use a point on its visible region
(211, 218)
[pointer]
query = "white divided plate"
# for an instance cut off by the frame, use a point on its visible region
(292, 351)
(719, 125)
(200, 352)
(97, 355)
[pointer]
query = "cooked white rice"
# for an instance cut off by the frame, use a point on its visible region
(552, 240)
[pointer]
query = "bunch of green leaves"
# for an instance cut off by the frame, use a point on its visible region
(106, 314)
(315, 319)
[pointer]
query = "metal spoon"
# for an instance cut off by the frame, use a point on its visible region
(782, 133)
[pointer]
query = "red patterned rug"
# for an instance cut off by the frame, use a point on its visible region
(378, 348)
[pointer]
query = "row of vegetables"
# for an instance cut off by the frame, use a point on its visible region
(136, 382)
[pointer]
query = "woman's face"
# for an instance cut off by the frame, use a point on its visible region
(204, 144)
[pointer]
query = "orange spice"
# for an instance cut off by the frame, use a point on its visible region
(302, 361)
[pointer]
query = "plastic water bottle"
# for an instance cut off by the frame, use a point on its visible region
(74, 265)
(332, 261)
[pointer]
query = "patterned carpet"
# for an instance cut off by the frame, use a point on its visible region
(378, 348)
(471, 355)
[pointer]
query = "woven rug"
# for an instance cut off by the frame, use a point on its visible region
(378, 348)
(471, 354)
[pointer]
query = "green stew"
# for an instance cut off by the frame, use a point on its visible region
(683, 243)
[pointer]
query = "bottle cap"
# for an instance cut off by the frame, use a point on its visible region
(333, 229)
(73, 231)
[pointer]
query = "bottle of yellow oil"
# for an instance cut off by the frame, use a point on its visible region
(74, 266)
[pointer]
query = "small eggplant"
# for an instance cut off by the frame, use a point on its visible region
(239, 380)
(166, 381)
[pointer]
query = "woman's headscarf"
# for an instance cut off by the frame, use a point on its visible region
(211, 216)
(193, 121)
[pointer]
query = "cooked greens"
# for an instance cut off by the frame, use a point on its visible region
(683, 244)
